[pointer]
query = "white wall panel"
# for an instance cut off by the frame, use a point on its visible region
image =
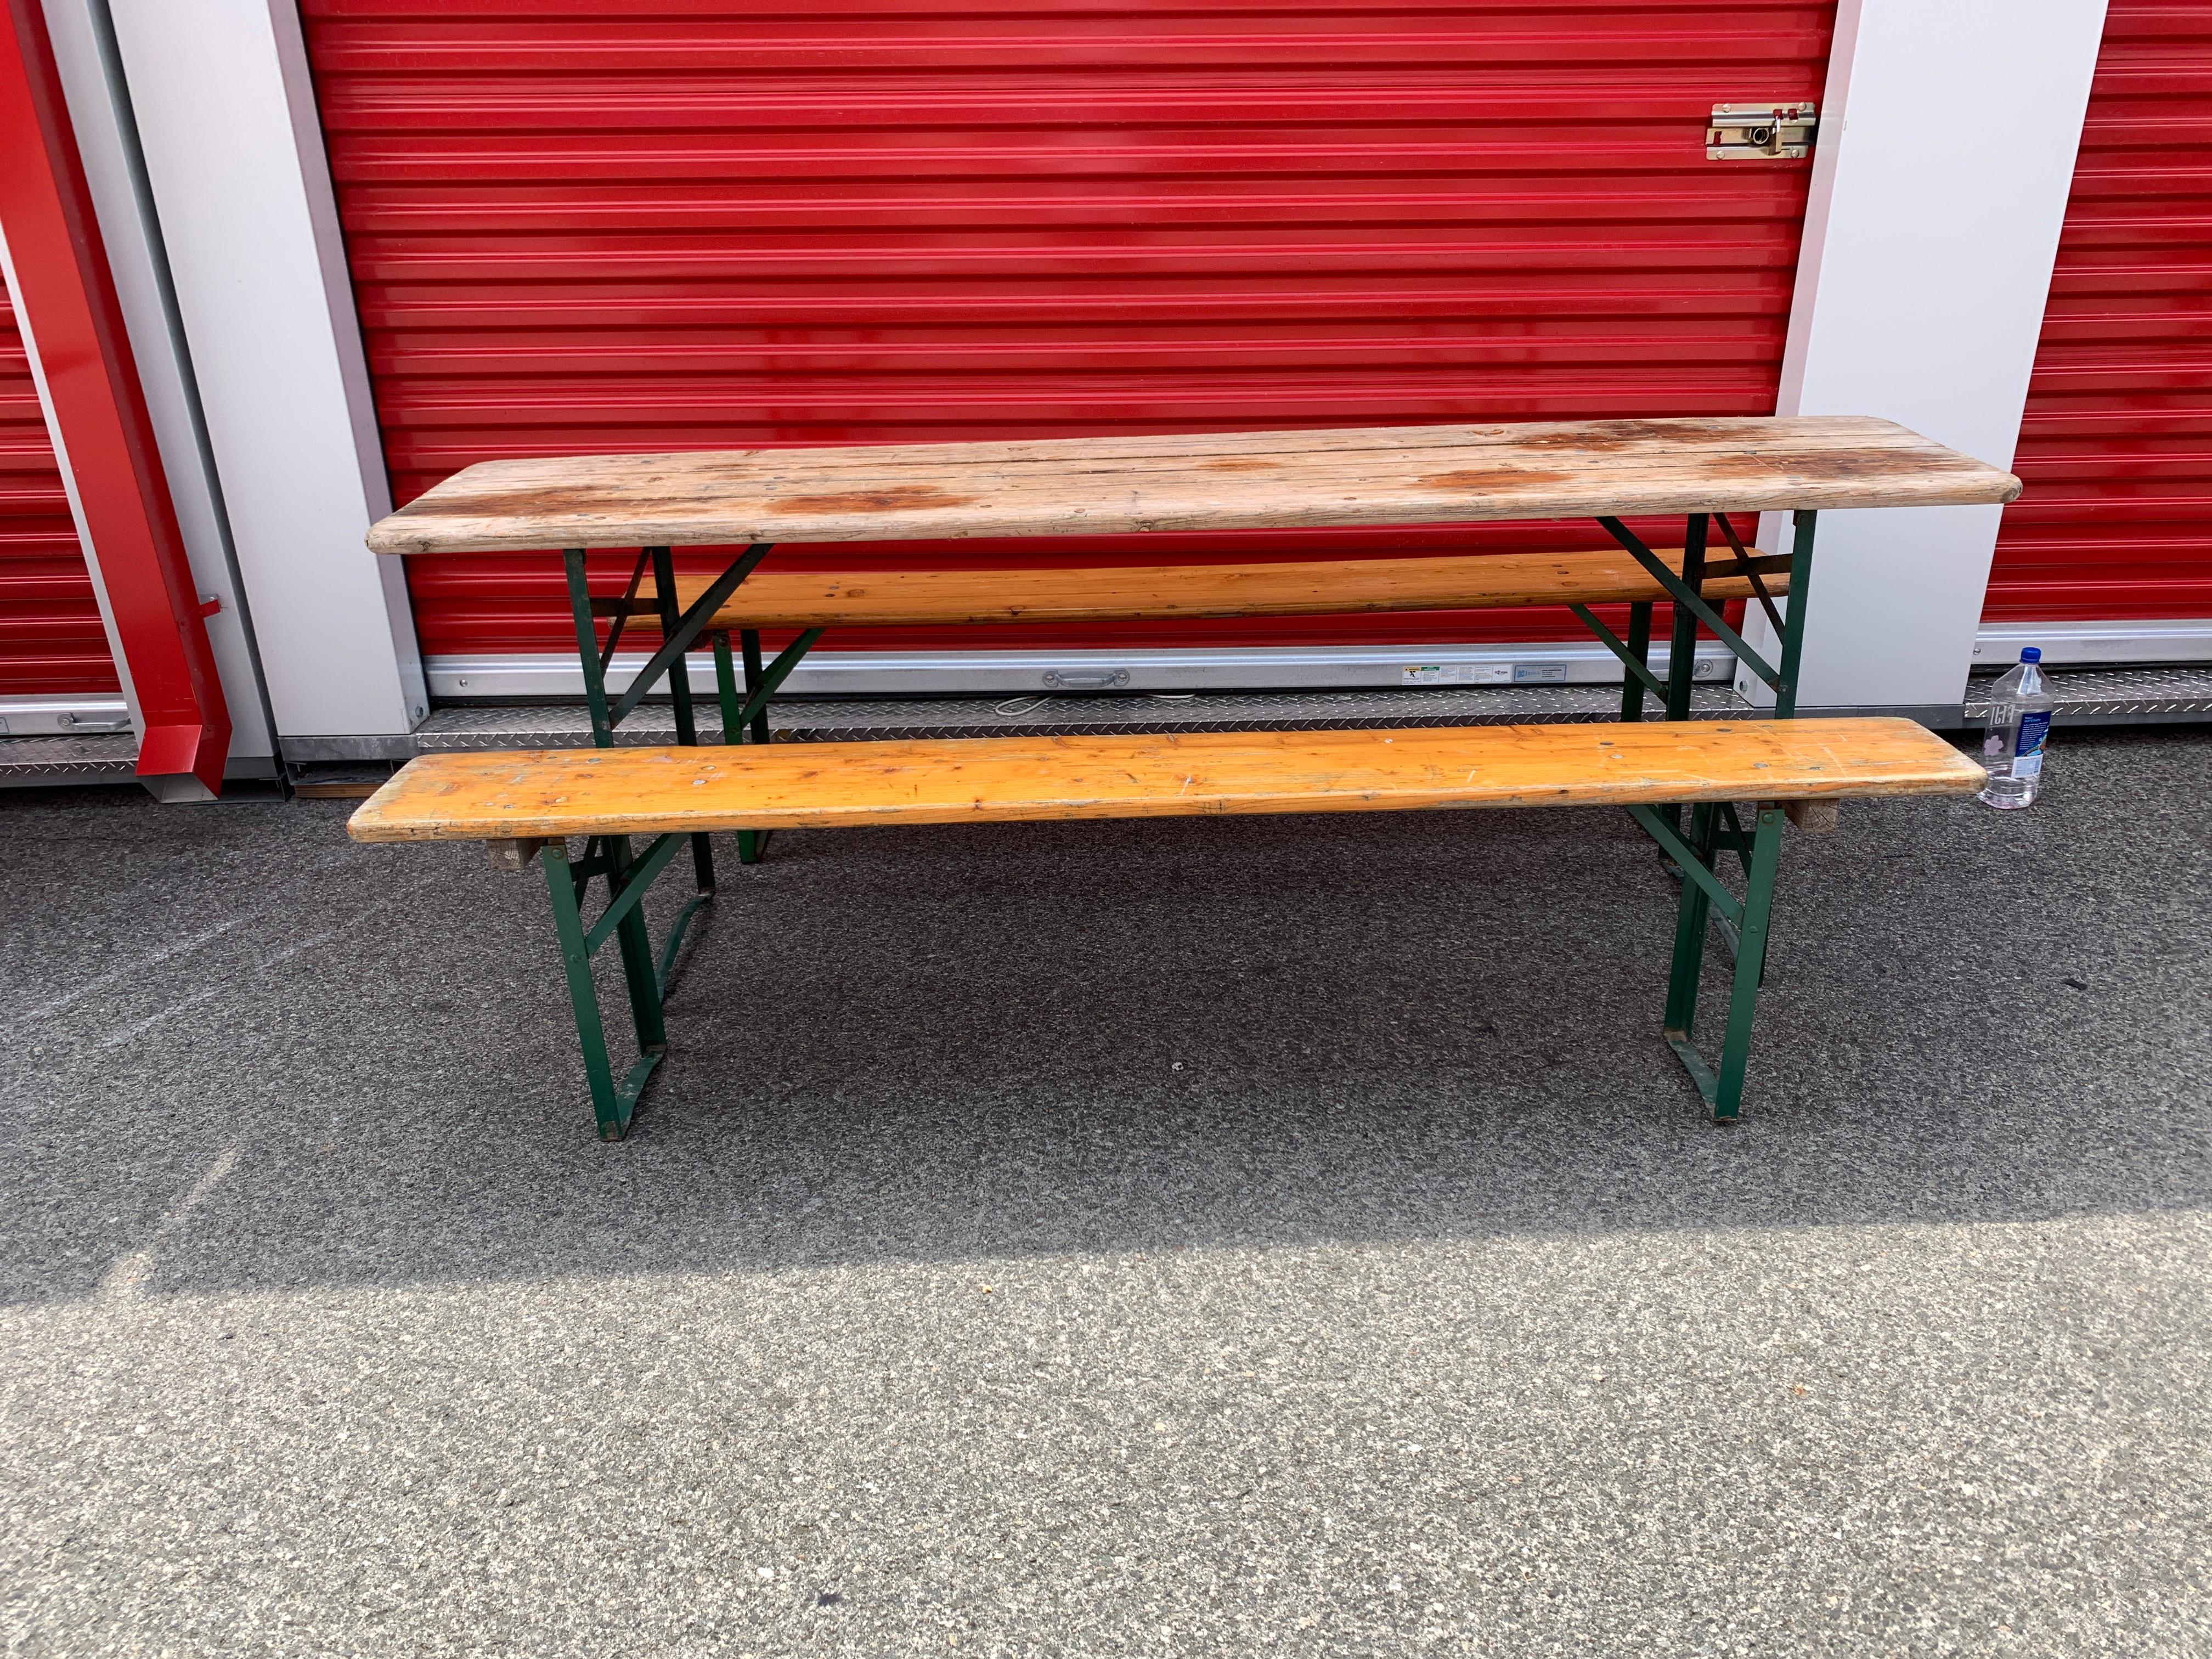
(1946, 153)
(234, 155)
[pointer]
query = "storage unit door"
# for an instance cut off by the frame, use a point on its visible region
(53, 649)
(2116, 451)
(579, 227)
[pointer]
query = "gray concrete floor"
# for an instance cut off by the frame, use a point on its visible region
(1280, 1235)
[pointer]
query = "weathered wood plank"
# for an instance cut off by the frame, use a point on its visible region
(1227, 481)
(879, 598)
(1815, 817)
(512, 855)
(547, 792)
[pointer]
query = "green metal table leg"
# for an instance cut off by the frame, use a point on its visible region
(725, 685)
(679, 692)
(1682, 642)
(672, 614)
(1639, 647)
(587, 649)
(1793, 619)
(725, 691)
(752, 844)
(750, 641)
(1750, 963)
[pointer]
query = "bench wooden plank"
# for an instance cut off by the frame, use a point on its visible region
(881, 599)
(1207, 481)
(549, 792)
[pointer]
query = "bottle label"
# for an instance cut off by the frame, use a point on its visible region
(2027, 757)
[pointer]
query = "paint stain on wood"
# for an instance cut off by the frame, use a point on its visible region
(1603, 437)
(1825, 466)
(896, 498)
(1241, 464)
(1475, 480)
(581, 501)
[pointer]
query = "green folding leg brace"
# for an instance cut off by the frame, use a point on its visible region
(569, 880)
(622, 920)
(1713, 827)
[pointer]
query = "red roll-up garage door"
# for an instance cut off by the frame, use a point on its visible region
(51, 643)
(579, 227)
(2116, 447)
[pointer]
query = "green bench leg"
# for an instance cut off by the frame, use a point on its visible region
(612, 1102)
(1722, 1087)
(635, 945)
(1693, 912)
(1750, 962)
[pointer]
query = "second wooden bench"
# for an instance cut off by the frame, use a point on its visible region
(814, 602)
(523, 803)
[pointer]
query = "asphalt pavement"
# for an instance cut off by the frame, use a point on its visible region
(1264, 1235)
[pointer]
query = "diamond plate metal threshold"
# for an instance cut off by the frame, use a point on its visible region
(2098, 696)
(856, 719)
(2086, 697)
(2116, 696)
(102, 757)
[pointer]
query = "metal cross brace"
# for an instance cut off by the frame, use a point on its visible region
(689, 627)
(1684, 594)
(1694, 865)
(1631, 659)
(1751, 569)
(623, 610)
(761, 683)
(630, 886)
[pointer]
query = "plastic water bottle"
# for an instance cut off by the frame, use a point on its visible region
(2012, 733)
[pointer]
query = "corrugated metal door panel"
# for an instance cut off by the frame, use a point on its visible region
(578, 227)
(2116, 446)
(50, 638)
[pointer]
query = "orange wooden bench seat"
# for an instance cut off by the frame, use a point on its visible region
(538, 794)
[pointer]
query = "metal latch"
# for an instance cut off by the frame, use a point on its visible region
(1085, 679)
(1760, 132)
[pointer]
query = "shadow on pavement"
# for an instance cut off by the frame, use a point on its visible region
(244, 1054)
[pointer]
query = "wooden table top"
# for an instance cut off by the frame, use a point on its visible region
(1202, 481)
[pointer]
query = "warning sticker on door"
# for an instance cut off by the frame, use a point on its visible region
(1458, 674)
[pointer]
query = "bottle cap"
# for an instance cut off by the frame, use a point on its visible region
(2031, 654)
